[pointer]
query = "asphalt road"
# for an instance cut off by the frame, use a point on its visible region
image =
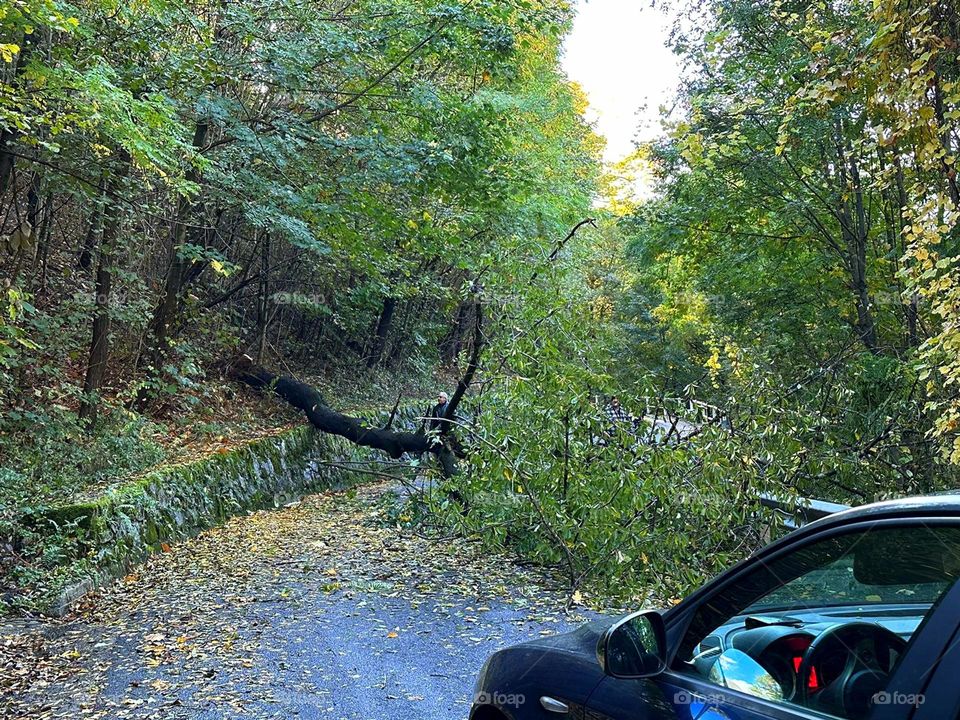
(323, 610)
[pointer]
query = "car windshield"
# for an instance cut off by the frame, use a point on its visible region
(882, 566)
(890, 566)
(837, 584)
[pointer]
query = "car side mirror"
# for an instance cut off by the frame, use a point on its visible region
(634, 647)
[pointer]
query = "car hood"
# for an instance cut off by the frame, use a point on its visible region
(563, 666)
(582, 641)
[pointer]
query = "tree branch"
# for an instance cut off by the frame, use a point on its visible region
(472, 365)
(326, 419)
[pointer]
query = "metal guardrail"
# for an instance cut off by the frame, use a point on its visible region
(800, 511)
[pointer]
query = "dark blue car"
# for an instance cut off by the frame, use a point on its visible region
(855, 616)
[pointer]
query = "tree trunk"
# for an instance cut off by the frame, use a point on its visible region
(167, 310)
(453, 341)
(854, 232)
(327, 420)
(395, 444)
(85, 255)
(263, 306)
(383, 330)
(38, 270)
(8, 137)
(472, 366)
(33, 201)
(46, 232)
(100, 342)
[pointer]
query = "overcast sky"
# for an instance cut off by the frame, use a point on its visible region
(617, 52)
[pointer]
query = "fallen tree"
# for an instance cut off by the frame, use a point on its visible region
(443, 443)
(326, 419)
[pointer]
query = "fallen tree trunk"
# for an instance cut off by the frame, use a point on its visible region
(304, 397)
(328, 420)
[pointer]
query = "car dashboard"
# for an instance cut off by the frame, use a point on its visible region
(779, 640)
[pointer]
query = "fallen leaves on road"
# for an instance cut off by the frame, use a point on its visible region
(226, 624)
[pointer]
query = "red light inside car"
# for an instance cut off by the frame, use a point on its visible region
(812, 682)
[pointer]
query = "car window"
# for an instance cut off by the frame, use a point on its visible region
(837, 584)
(824, 626)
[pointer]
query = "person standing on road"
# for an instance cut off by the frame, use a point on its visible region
(623, 424)
(617, 415)
(437, 420)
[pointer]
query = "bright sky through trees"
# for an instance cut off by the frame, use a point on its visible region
(617, 52)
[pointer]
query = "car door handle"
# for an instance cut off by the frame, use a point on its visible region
(552, 705)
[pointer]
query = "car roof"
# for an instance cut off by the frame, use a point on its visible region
(942, 504)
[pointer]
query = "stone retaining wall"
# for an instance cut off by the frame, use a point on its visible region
(122, 524)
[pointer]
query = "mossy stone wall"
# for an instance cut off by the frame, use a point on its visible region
(122, 524)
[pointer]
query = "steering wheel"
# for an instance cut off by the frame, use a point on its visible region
(867, 650)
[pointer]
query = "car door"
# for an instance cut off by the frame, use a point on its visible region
(887, 579)
(939, 697)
